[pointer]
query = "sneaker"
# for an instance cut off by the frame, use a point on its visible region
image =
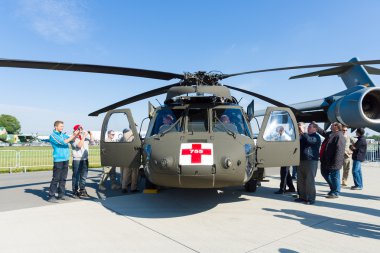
(83, 193)
(76, 195)
(310, 202)
(332, 196)
(101, 187)
(343, 184)
(52, 199)
(62, 198)
(292, 191)
(124, 191)
(135, 191)
(115, 187)
(299, 200)
(356, 188)
(279, 192)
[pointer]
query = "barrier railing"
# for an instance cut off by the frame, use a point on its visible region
(24, 159)
(373, 152)
(8, 159)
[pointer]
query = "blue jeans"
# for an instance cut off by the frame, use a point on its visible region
(58, 182)
(80, 171)
(357, 173)
(332, 177)
(294, 172)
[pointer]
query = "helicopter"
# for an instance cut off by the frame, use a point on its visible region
(202, 138)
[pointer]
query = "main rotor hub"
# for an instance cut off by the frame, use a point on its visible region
(201, 78)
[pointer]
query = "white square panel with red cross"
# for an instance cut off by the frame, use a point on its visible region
(196, 154)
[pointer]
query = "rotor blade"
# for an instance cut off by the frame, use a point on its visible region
(372, 70)
(89, 68)
(337, 64)
(325, 72)
(267, 99)
(133, 99)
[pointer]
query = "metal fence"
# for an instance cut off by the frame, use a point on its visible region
(373, 152)
(12, 160)
(26, 159)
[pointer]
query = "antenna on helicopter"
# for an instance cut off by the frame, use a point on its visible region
(158, 102)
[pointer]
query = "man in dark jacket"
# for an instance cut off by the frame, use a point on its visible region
(310, 143)
(332, 158)
(358, 156)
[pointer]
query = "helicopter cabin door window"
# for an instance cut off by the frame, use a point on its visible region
(197, 120)
(120, 142)
(278, 139)
(118, 129)
(279, 127)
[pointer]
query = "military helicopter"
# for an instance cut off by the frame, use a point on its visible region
(201, 136)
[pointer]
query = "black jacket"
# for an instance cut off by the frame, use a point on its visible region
(310, 144)
(333, 156)
(360, 149)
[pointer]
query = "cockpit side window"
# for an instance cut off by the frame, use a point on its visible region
(168, 120)
(229, 119)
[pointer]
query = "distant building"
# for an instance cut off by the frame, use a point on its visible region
(3, 130)
(3, 134)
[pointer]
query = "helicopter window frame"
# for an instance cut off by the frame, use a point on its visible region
(242, 128)
(154, 127)
(273, 126)
(206, 123)
(123, 132)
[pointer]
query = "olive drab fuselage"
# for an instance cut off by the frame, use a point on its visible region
(196, 153)
(202, 145)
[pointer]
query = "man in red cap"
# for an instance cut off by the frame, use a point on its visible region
(80, 150)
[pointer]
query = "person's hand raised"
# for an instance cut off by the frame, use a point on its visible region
(300, 129)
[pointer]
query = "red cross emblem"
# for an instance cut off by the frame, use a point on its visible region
(196, 152)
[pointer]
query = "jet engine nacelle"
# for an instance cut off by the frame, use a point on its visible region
(358, 109)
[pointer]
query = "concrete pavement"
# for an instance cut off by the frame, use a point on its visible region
(189, 220)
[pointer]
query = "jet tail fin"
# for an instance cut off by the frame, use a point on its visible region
(352, 75)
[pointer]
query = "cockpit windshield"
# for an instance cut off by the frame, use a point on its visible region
(230, 120)
(167, 120)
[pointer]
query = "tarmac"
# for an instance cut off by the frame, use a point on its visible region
(188, 220)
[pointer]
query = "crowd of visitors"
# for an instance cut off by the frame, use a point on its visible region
(338, 150)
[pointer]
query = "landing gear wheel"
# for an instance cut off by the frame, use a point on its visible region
(251, 185)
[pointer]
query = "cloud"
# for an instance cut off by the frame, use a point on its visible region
(60, 21)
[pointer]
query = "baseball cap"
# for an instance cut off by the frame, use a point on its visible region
(76, 127)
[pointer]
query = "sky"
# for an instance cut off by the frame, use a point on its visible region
(172, 36)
